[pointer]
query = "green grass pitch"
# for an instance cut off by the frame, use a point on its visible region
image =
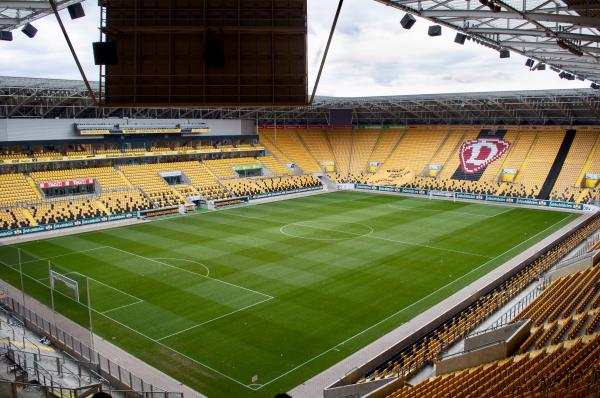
(281, 290)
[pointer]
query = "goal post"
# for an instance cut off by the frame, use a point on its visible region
(71, 284)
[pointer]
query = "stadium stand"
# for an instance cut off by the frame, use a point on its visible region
(147, 178)
(249, 187)
(274, 166)
(288, 142)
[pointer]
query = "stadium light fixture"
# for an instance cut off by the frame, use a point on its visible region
(529, 63)
(595, 86)
(29, 30)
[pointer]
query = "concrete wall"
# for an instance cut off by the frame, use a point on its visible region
(580, 264)
(18, 130)
(486, 347)
(356, 390)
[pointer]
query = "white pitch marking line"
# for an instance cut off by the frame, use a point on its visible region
(60, 255)
(121, 307)
(191, 272)
(407, 307)
(186, 260)
(108, 286)
(302, 224)
(418, 208)
(151, 339)
(369, 235)
(213, 319)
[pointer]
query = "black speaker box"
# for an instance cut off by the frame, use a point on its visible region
(407, 21)
(214, 53)
(504, 53)
(105, 53)
(29, 30)
(460, 38)
(76, 11)
(434, 30)
(6, 35)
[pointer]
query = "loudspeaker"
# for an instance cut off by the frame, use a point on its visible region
(29, 30)
(529, 63)
(76, 11)
(214, 53)
(407, 21)
(504, 53)
(105, 53)
(340, 117)
(460, 38)
(434, 30)
(540, 66)
(6, 35)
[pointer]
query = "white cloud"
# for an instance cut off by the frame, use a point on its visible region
(370, 55)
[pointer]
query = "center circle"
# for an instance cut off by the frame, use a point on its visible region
(326, 230)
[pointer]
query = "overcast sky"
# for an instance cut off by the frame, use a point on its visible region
(370, 55)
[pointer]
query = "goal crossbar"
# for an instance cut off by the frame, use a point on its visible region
(71, 283)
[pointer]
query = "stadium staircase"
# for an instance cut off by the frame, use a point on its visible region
(34, 186)
(307, 150)
(561, 156)
(27, 215)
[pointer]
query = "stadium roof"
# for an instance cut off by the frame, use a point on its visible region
(563, 34)
(15, 13)
(52, 98)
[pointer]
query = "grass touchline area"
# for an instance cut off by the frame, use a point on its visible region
(278, 290)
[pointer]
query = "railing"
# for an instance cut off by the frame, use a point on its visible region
(93, 360)
(508, 316)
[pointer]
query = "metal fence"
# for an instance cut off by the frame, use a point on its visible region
(112, 372)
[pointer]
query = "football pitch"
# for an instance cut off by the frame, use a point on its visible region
(254, 300)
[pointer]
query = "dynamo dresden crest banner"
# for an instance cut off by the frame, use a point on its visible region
(475, 155)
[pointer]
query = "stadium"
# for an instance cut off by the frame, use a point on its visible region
(170, 233)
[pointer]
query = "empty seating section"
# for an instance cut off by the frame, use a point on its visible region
(203, 180)
(535, 167)
(267, 138)
(568, 184)
(66, 211)
(316, 142)
(255, 186)
(530, 373)
(287, 142)
(108, 178)
(15, 188)
(570, 295)
(363, 144)
(148, 179)
(224, 168)
(124, 201)
(341, 144)
(274, 166)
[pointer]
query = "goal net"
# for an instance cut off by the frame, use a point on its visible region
(65, 285)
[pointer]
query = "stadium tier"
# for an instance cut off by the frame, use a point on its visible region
(536, 162)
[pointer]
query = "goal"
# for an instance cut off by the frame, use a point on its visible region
(65, 285)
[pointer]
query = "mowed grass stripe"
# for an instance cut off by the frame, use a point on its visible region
(325, 292)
